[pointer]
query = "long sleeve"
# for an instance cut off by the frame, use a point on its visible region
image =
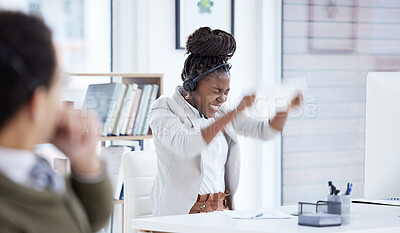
(255, 128)
(96, 199)
(183, 140)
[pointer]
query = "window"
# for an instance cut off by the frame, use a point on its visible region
(332, 44)
(82, 33)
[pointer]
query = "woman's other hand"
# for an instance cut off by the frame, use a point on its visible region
(246, 102)
(279, 120)
(296, 101)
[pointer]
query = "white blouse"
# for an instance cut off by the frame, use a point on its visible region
(214, 158)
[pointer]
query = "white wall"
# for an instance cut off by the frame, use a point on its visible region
(145, 43)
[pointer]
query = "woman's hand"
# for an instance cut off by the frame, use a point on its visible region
(212, 130)
(76, 137)
(246, 102)
(296, 101)
(279, 120)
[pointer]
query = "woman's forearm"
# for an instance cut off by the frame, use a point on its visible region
(212, 130)
(278, 122)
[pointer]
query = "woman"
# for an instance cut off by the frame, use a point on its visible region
(195, 133)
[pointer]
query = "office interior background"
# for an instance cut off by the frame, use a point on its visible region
(329, 44)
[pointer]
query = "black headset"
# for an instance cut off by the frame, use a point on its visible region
(191, 84)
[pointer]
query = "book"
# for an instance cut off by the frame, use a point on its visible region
(121, 195)
(102, 98)
(116, 112)
(153, 96)
(112, 156)
(125, 108)
(132, 117)
(142, 108)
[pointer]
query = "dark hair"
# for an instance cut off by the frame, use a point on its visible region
(27, 60)
(207, 49)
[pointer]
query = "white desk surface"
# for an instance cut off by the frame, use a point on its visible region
(364, 218)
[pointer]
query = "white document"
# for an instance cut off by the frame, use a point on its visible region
(252, 214)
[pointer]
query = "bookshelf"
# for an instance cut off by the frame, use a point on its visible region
(110, 138)
(127, 78)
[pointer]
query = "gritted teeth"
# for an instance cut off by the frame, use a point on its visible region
(214, 107)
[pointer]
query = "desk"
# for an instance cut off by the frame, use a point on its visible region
(364, 218)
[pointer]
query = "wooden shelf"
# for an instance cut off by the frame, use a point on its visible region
(123, 75)
(129, 78)
(118, 202)
(125, 138)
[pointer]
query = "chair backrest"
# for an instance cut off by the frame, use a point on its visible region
(139, 171)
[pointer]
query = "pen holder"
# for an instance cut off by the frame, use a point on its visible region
(343, 209)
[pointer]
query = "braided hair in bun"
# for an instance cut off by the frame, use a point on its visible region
(207, 49)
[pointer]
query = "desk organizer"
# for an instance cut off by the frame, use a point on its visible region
(343, 209)
(316, 214)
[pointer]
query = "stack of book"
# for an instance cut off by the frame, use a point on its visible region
(123, 108)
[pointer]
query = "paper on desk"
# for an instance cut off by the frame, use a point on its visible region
(251, 214)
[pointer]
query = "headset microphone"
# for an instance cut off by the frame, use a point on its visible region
(191, 84)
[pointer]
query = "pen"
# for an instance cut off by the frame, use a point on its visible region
(350, 187)
(258, 215)
(347, 190)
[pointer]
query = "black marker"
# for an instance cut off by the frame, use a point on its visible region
(332, 189)
(347, 190)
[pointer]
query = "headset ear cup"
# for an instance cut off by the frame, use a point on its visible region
(189, 85)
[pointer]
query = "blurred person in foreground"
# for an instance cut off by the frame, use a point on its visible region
(32, 197)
